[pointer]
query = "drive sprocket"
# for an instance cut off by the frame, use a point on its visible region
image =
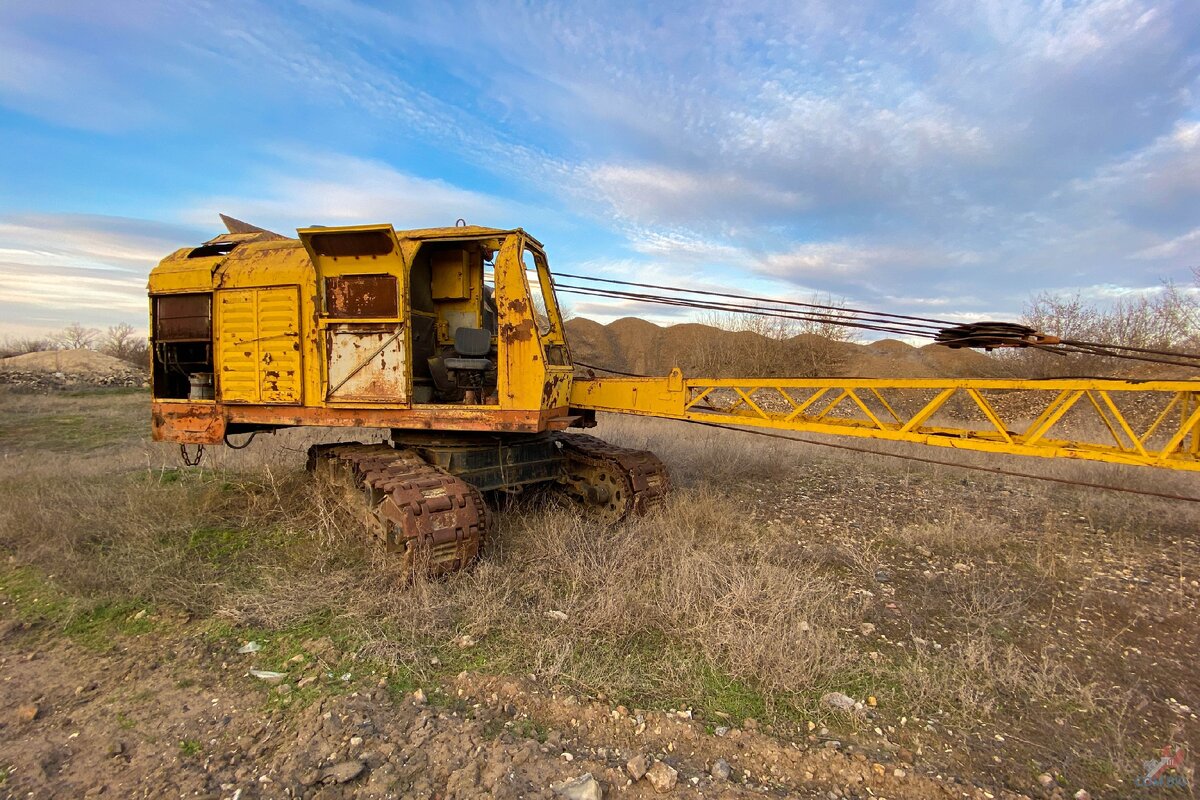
(610, 482)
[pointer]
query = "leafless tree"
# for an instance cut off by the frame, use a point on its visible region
(76, 337)
(124, 342)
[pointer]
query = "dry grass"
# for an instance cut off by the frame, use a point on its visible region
(744, 595)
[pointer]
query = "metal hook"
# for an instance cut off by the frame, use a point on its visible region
(461, 223)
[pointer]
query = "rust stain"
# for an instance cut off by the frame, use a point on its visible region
(523, 331)
(551, 388)
(204, 423)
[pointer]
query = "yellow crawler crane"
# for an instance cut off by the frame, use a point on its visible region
(368, 327)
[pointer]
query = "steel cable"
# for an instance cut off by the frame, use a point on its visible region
(878, 321)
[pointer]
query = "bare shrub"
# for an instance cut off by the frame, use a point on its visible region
(1165, 319)
(20, 345)
(975, 677)
(776, 345)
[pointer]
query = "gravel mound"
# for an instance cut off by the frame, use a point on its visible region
(65, 369)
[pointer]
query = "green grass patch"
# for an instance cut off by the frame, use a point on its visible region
(40, 602)
(70, 430)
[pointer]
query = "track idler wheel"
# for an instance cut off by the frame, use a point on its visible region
(608, 482)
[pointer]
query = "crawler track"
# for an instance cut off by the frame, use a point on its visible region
(437, 522)
(612, 482)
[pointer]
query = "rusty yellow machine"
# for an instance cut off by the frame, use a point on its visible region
(451, 339)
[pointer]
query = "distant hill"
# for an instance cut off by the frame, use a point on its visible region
(634, 345)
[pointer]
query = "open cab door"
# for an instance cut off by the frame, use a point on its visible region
(362, 333)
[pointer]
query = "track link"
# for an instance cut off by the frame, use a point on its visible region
(437, 522)
(612, 482)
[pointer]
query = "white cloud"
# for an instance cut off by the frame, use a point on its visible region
(60, 268)
(1184, 246)
(321, 188)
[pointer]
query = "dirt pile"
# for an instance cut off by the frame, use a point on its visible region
(636, 346)
(65, 369)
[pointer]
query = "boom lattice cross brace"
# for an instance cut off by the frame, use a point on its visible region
(1149, 423)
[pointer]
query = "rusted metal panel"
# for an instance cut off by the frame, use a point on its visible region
(279, 375)
(187, 423)
(237, 348)
(362, 296)
(367, 362)
(258, 353)
(192, 422)
(343, 244)
(183, 318)
(451, 271)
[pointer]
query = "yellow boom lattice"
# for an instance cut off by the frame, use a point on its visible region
(1149, 423)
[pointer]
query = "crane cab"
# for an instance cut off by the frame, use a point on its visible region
(438, 329)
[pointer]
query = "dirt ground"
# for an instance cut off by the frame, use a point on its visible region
(140, 722)
(993, 637)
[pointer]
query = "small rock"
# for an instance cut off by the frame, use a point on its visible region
(899, 773)
(906, 755)
(419, 697)
(322, 648)
(867, 628)
(268, 675)
(355, 741)
(283, 688)
(1083, 794)
(750, 724)
(584, 787)
(838, 701)
(558, 615)
(343, 772)
(310, 777)
(662, 777)
(883, 576)
(872, 701)
(961, 567)
(720, 769)
(637, 767)
(28, 712)
(878, 770)
(307, 680)
(1046, 780)
(115, 748)
(721, 730)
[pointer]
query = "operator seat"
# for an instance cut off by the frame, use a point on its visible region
(468, 370)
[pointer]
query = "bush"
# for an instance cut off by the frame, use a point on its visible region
(1167, 319)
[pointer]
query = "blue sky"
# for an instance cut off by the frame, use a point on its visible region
(944, 158)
